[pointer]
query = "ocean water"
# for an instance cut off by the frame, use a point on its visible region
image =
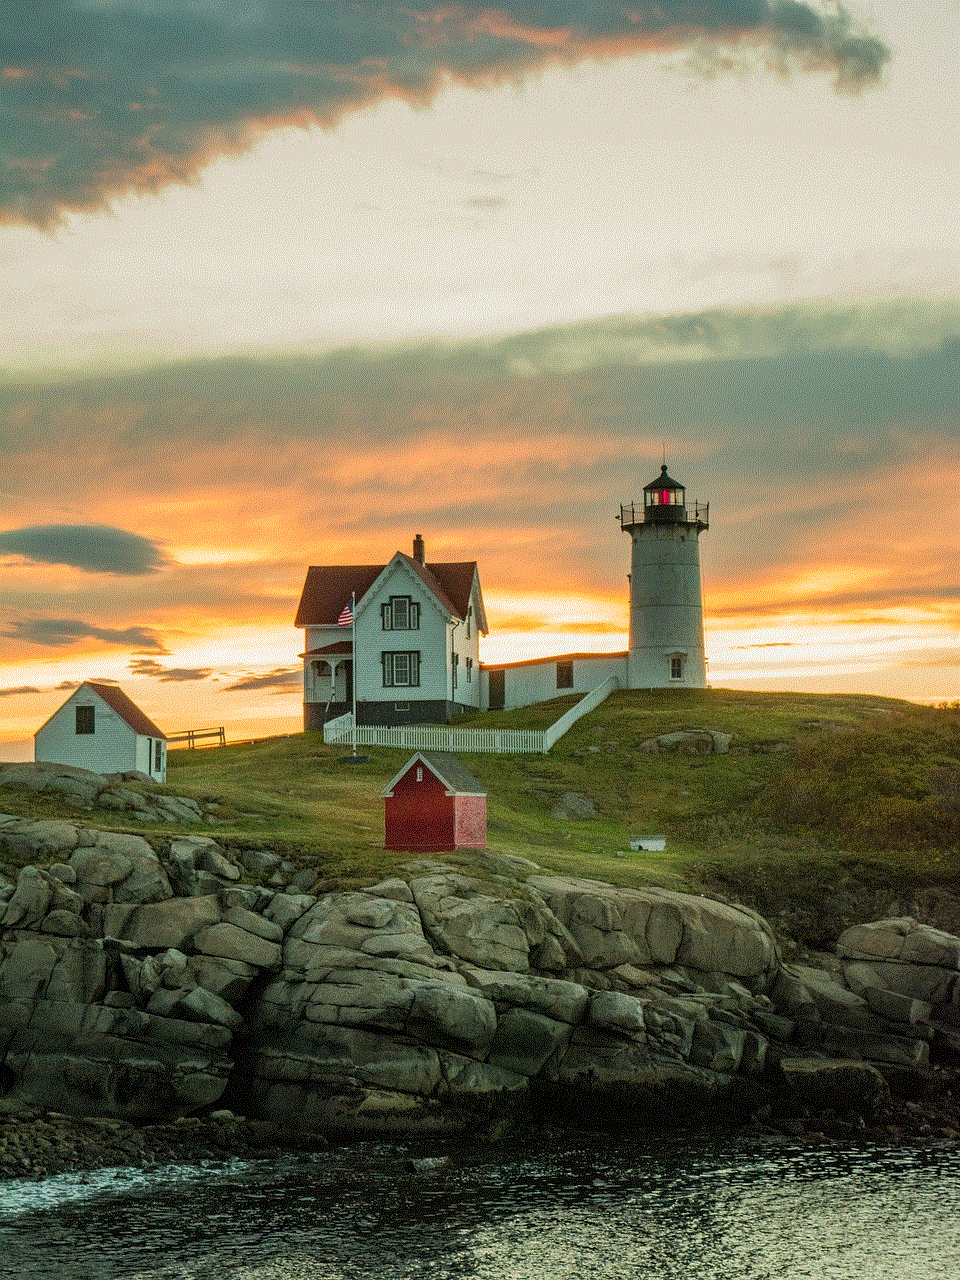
(577, 1208)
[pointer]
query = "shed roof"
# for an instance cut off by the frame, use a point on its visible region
(126, 709)
(445, 766)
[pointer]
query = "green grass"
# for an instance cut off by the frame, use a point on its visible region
(825, 806)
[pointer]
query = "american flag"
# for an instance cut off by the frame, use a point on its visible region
(346, 617)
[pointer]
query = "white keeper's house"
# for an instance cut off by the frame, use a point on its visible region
(410, 655)
(101, 729)
(402, 639)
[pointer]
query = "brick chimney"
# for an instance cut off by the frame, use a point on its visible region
(419, 550)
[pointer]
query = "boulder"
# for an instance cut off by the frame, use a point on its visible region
(471, 925)
(556, 999)
(909, 959)
(838, 1084)
(234, 942)
(573, 804)
(30, 900)
(229, 979)
(616, 1011)
(99, 870)
(445, 1015)
(833, 1003)
(358, 922)
(903, 940)
(694, 742)
(616, 926)
(525, 1041)
(170, 923)
(35, 841)
(284, 909)
(28, 961)
(42, 776)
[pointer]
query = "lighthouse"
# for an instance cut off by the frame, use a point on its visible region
(666, 601)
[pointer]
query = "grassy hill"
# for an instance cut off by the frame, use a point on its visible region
(824, 810)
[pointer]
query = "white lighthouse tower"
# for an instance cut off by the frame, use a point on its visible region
(666, 601)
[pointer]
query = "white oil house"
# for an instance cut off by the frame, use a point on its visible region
(101, 729)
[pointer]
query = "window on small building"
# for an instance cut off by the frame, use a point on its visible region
(469, 670)
(455, 662)
(676, 668)
(85, 720)
(157, 756)
(400, 613)
(401, 669)
(564, 675)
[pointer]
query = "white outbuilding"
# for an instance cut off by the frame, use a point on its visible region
(99, 728)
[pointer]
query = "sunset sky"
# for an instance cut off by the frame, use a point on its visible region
(284, 284)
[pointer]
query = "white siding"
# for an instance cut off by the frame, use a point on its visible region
(430, 640)
(112, 746)
(666, 607)
(467, 646)
(534, 682)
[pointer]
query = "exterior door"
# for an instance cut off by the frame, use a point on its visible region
(496, 687)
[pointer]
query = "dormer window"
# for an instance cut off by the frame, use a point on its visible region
(400, 613)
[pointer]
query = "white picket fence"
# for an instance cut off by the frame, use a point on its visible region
(430, 737)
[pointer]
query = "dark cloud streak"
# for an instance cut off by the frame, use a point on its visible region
(167, 675)
(96, 548)
(281, 680)
(61, 632)
(98, 102)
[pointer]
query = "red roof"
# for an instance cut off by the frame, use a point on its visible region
(446, 768)
(329, 587)
(118, 701)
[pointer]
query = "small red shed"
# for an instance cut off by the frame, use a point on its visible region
(435, 805)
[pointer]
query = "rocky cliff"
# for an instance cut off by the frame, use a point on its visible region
(149, 979)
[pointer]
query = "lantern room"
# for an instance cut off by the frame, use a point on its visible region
(664, 501)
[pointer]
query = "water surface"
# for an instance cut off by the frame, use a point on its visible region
(587, 1208)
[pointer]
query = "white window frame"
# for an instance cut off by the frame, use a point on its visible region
(401, 668)
(400, 613)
